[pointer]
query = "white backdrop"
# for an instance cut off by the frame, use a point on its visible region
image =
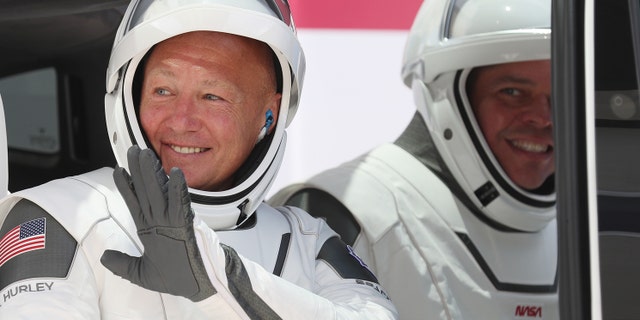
(352, 100)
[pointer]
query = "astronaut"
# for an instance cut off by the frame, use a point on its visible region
(457, 216)
(208, 87)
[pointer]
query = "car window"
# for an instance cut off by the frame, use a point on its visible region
(617, 116)
(30, 103)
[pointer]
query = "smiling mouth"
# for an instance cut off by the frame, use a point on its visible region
(531, 147)
(188, 150)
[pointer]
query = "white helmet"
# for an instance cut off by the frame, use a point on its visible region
(148, 22)
(447, 40)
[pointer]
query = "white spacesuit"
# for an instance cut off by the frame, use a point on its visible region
(62, 242)
(447, 232)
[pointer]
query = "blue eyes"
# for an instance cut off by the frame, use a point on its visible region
(208, 96)
(211, 97)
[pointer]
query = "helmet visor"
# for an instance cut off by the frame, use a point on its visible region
(145, 10)
(472, 17)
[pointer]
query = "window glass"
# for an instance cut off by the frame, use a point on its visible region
(30, 104)
(617, 97)
(617, 75)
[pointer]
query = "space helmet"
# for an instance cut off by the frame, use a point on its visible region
(147, 23)
(447, 40)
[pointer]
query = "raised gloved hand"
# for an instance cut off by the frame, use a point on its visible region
(161, 210)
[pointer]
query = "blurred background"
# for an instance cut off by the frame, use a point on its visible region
(353, 97)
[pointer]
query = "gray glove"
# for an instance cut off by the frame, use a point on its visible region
(161, 210)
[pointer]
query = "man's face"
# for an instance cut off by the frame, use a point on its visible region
(203, 103)
(512, 105)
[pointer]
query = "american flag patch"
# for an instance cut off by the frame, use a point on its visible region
(28, 236)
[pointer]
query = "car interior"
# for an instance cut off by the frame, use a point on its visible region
(52, 81)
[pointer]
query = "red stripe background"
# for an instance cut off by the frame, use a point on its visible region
(354, 14)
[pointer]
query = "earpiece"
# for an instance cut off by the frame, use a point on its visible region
(267, 124)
